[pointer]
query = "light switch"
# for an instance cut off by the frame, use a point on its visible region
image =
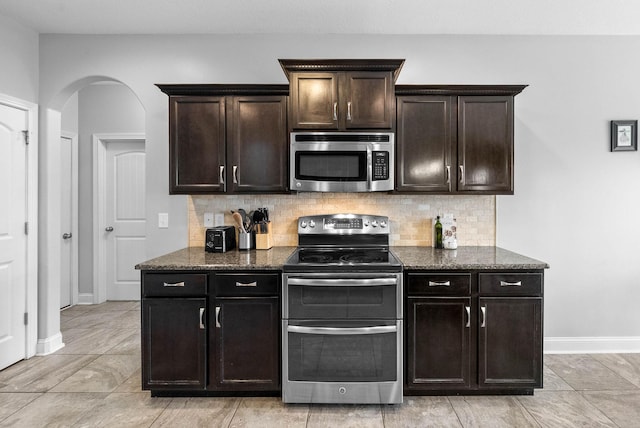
(163, 220)
(208, 219)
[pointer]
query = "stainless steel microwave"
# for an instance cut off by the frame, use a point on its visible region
(342, 161)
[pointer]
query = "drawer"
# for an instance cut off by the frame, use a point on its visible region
(511, 284)
(441, 284)
(174, 284)
(239, 285)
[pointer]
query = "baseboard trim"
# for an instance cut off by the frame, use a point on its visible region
(85, 299)
(592, 345)
(49, 345)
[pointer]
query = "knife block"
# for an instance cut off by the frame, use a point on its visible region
(264, 237)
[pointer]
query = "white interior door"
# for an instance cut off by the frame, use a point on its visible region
(68, 219)
(65, 219)
(125, 217)
(13, 239)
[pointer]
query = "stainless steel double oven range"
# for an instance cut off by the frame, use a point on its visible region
(342, 313)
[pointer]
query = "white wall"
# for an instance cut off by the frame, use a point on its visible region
(70, 115)
(19, 59)
(571, 193)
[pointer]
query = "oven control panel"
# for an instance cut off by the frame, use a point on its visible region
(343, 224)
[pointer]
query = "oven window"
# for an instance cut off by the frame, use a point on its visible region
(317, 357)
(343, 302)
(331, 165)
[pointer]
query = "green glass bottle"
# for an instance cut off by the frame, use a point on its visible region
(438, 230)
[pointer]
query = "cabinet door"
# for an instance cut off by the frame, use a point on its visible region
(257, 144)
(367, 100)
(425, 144)
(196, 144)
(485, 144)
(247, 344)
(510, 342)
(314, 100)
(438, 343)
(173, 343)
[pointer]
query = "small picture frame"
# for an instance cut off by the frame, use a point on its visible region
(624, 135)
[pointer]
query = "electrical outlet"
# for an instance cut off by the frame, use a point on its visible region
(219, 219)
(208, 219)
(163, 220)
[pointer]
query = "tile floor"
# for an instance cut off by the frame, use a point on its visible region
(95, 381)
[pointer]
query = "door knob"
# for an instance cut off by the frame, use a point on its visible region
(66, 235)
(108, 229)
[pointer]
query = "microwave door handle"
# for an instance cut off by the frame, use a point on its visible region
(369, 169)
(339, 331)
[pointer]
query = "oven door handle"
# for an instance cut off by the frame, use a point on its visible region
(339, 331)
(354, 282)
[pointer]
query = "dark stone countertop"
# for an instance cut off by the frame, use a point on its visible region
(418, 258)
(465, 258)
(195, 258)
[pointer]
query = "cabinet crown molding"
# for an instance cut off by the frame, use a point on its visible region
(293, 65)
(512, 90)
(223, 89)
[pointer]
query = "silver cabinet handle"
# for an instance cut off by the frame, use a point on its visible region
(338, 331)
(510, 284)
(201, 318)
(221, 174)
(218, 317)
(439, 283)
(174, 284)
(449, 176)
(483, 311)
(461, 168)
(349, 110)
(335, 111)
(248, 284)
(468, 309)
(66, 236)
(235, 174)
(108, 229)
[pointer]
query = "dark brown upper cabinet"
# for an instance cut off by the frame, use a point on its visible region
(455, 139)
(341, 94)
(227, 138)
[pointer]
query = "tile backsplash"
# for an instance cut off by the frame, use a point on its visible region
(410, 216)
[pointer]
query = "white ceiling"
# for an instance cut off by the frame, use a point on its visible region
(552, 17)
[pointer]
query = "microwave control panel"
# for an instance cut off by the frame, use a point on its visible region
(380, 165)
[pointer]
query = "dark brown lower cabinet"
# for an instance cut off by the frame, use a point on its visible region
(210, 333)
(247, 344)
(173, 343)
(473, 332)
(509, 342)
(438, 342)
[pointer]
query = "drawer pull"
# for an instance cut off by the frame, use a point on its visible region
(201, 318)
(439, 283)
(483, 311)
(175, 284)
(247, 284)
(218, 317)
(468, 309)
(510, 284)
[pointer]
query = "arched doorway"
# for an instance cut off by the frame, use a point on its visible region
(102, 105)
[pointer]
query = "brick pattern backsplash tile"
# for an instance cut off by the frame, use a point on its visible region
(411, 217)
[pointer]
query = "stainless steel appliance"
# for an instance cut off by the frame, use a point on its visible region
(342, 313)
(342, 161)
